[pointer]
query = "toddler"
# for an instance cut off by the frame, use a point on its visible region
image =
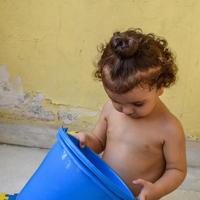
(139, 137)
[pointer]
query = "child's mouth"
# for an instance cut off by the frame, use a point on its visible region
(133, 115)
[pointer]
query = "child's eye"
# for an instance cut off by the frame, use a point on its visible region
(138, 104)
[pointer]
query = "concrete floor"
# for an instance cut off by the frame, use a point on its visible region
(17, 164)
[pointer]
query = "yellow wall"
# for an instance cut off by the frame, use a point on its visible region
(52, 44)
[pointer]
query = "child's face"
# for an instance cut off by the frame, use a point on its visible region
(136, 103)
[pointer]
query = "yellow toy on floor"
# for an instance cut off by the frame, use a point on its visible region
(4, 196)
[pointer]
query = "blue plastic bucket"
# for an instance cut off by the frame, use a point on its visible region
(72, 173)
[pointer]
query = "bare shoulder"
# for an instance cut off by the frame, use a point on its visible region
(107, 109)
(173, 128)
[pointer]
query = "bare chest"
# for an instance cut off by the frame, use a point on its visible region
(136, 136)
(134, 148)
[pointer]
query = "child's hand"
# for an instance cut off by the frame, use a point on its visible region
(82, 137)
(148, 191)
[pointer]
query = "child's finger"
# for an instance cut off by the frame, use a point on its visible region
(82, 139)
(139, 182)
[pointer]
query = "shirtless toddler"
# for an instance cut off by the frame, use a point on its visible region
(139, 137)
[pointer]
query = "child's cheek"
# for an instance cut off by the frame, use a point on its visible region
(141, 110)
(145, 110)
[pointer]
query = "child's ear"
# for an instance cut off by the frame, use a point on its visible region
(160, 91)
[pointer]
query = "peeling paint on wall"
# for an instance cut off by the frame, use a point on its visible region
(72, 114)
(11, 92)
(33, 105)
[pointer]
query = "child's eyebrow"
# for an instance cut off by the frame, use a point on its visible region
(138, 102)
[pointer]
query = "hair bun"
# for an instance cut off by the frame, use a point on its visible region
(123, 45)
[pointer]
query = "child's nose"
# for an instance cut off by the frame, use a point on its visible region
(127, 110)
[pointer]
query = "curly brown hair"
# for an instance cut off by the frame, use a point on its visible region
(132, 59)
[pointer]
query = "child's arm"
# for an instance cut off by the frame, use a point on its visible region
(96, 139)
(176, 167)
